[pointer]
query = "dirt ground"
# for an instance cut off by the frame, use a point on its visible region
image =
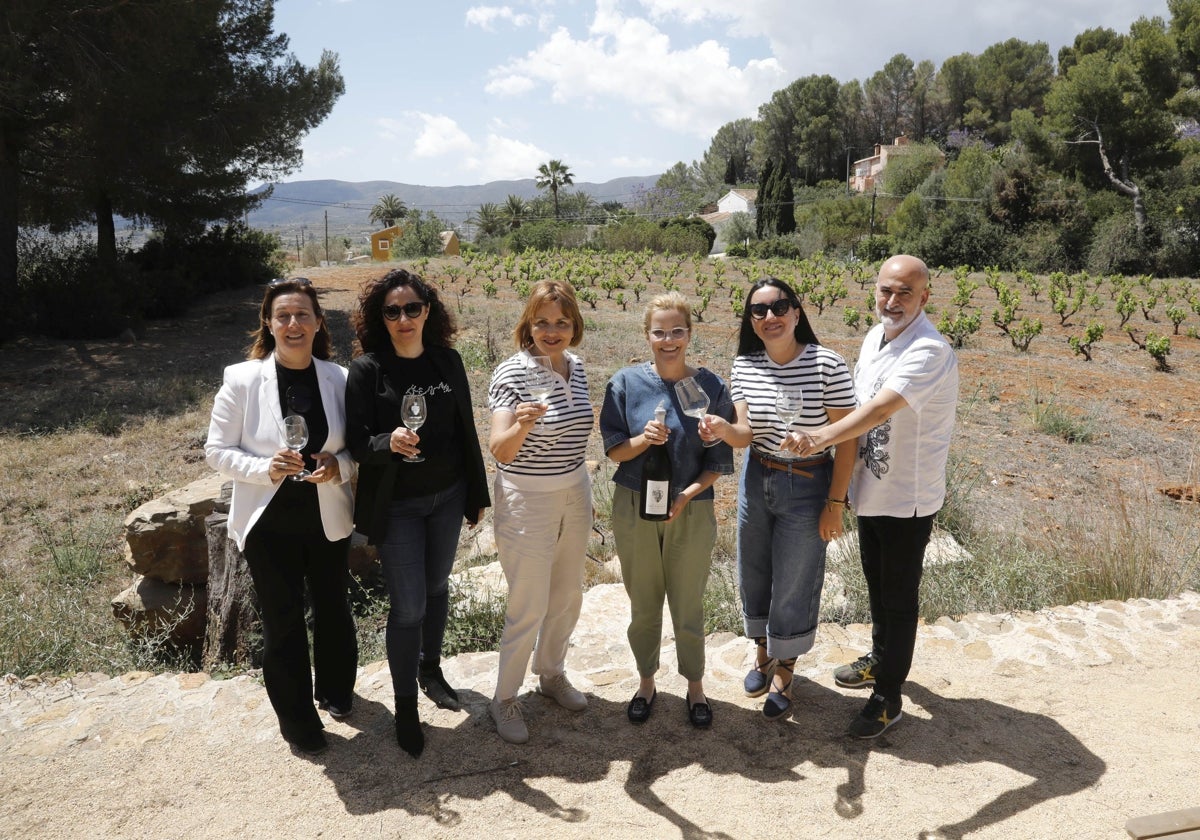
(1079, 719)
(1062, 723)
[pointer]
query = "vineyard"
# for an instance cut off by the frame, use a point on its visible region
(1074, 457)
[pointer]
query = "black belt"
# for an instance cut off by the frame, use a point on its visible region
(793, 467)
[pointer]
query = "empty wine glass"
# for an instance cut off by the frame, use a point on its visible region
(539, 379)
(788, 404)
(295, 438)
(693, 401)
(413, 415)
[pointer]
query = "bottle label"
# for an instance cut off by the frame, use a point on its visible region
(657, 497)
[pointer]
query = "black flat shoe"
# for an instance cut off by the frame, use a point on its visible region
(335, 710)
(309, 743)
(700, 714)
(639, 708)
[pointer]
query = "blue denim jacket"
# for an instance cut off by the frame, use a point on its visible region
(629, 401)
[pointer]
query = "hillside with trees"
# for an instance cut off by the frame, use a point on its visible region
(1017, 158)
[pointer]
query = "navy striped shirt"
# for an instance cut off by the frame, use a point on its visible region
(819, 372)
(557, 445)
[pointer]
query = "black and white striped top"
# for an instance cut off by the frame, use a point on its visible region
(556, 446)
(819, 372)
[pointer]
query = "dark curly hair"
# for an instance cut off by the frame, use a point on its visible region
(368, 323)
(749, 342)
(262, 342)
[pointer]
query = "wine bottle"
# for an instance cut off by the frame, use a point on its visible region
(656, 477)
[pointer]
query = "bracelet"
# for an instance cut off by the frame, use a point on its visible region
(841, 502)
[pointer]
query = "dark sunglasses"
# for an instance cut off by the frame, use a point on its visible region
(299, 399)
(281, 281)
(413, 310)
(779, 308)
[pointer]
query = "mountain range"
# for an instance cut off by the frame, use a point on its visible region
(295, 206)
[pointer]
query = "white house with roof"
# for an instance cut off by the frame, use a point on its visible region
(737, 201)
(734, 201)
(869, 170)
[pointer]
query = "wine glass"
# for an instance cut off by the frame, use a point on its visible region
(413, 414)
(788, 404)
(295, 438)
(539, 379)
(693, 401)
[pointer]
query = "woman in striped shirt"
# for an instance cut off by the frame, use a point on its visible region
(788, 507)
(543, 498)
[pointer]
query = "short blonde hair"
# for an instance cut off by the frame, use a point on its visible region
(664, 302)
(549, 291)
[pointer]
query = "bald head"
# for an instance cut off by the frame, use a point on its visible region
(901, 290)
(904, 267)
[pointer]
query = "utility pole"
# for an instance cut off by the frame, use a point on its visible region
(327, 237)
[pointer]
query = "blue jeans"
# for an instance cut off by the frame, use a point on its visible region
(416, 557)
(781, 556)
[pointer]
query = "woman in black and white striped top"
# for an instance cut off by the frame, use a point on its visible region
(543, 496)
(788, 507)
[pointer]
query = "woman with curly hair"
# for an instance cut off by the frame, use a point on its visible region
(412, 510)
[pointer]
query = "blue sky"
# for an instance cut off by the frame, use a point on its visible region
(441, 93)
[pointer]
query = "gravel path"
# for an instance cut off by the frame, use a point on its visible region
(1061, 723)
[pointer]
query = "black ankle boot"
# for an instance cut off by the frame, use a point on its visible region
(409, 734)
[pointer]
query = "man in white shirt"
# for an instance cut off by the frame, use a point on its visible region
(906, 382)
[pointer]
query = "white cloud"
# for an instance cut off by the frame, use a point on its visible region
(637, 164)
(819, 38)
(510, 84)
(439, 135)
(630, 61)
(486, 16)
(504, 158)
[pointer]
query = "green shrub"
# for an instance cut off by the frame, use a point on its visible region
(64, 293)
(1115, 249)
(159, 280)
(533, 236)
(694, 225)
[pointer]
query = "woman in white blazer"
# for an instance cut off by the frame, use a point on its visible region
(292, 532)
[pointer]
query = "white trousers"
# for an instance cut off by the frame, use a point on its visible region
(542, 540)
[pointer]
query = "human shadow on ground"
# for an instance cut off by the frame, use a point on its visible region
(956, 732)
(469, 762)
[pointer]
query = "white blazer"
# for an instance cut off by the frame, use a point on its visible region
(247, 429)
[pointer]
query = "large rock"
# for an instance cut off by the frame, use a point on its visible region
(158, 613)
(164, 538)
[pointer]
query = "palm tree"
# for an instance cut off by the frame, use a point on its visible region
(514, 211)
(387, 210)
(551, 176)
(490, 219)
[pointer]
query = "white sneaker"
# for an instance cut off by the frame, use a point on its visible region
(559, 689)
(509, 723)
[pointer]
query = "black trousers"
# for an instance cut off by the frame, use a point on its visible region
(893, 554)
(282, 561)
